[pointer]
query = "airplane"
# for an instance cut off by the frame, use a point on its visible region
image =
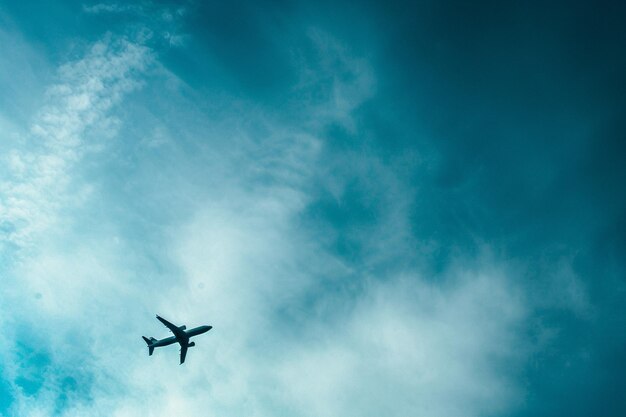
(181, 335)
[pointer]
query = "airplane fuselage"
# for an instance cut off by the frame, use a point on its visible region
(188, 333)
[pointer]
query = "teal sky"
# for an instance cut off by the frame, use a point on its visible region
(384, 209)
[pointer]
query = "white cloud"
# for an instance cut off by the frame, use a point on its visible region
(112, 8)
(35, 197)
(412, 348)
(41, 173)
(334, 80)
(242, 261)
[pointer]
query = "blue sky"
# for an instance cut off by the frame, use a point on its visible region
(384, 209)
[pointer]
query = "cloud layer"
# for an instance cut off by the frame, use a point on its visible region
(367, 232)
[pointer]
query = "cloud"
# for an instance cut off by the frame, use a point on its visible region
(112, 8)
(40, 174)
(239, 257)
(40, 189)
(413, 348)
(342, 79)
(206, 213)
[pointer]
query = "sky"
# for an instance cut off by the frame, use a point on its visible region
(382, 208)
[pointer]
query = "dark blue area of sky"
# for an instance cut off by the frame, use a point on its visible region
(522, 108)
(54, 27)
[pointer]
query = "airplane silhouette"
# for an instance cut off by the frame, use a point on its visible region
(181, 335)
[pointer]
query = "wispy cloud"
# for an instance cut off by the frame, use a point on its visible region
(411, 347)
(111, 8)
(40, 172)
(40, 189)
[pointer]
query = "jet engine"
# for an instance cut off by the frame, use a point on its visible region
(192, 344)
(182, 327)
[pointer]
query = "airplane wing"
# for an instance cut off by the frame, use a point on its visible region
(179, 333)
(183, 353)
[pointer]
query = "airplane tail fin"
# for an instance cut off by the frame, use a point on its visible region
(149, 343)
